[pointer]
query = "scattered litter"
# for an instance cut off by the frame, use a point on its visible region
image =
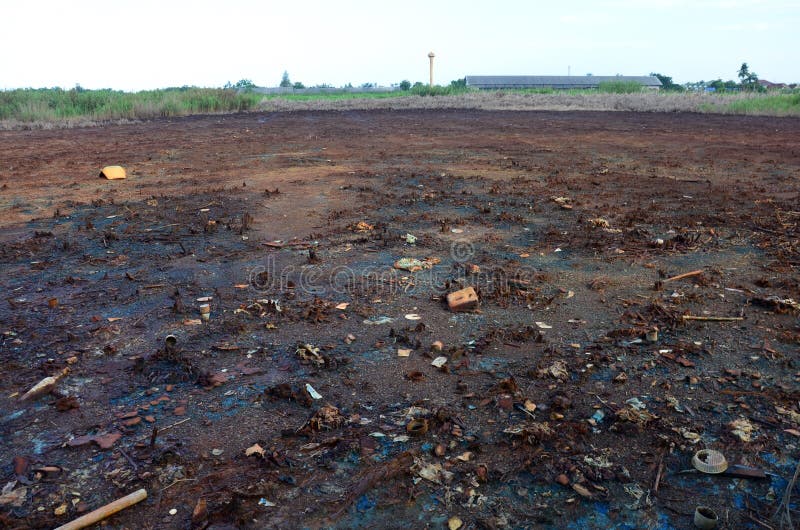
(13, 497)
(413, 316)
(709, 461)
(705, 518)
(636, 403)
(599, 222)
(417, 426)
(106, 511)
(103, 441)
(313, 393)
(378, 321)
(403, 352)
(45, 386)
(542, 325)
(363, 226)
(439, 362)
(462, 300)
(309, 352)
(343, 305)
(557, 370)
(264, 502)
(742, 429)
(255, 449)
(414, 264)
(326, 418)
(433, 472)
(113, 173)
(410, 239)
(634, 415)
(564, 202)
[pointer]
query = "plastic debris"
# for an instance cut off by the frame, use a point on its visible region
(705, 518)
(313, 393)
(439, 362)
(414, 264)
(417, 426)
(709, 461)
(377, 321)
(113, 173)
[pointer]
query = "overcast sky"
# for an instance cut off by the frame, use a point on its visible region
(142, 44)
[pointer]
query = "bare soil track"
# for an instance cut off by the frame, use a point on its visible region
(552, 410)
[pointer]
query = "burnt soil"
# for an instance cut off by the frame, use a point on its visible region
(552, 409)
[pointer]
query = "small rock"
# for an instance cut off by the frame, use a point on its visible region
(562, 479)
(454, 523)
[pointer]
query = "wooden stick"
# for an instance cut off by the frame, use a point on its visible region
(659, 471)
(684, 275)
(105, 511)
(713, 319)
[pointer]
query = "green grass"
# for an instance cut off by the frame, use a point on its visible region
(334, 96)
(781, 104)
(50, 107)
(57, 105)
(619, 87)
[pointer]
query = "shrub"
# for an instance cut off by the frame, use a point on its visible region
(619, 87)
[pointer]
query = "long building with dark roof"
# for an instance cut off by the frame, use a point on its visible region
(497, 82)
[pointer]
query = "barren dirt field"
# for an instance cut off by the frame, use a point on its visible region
(316, 395)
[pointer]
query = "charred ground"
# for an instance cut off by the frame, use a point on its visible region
(567, 224)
